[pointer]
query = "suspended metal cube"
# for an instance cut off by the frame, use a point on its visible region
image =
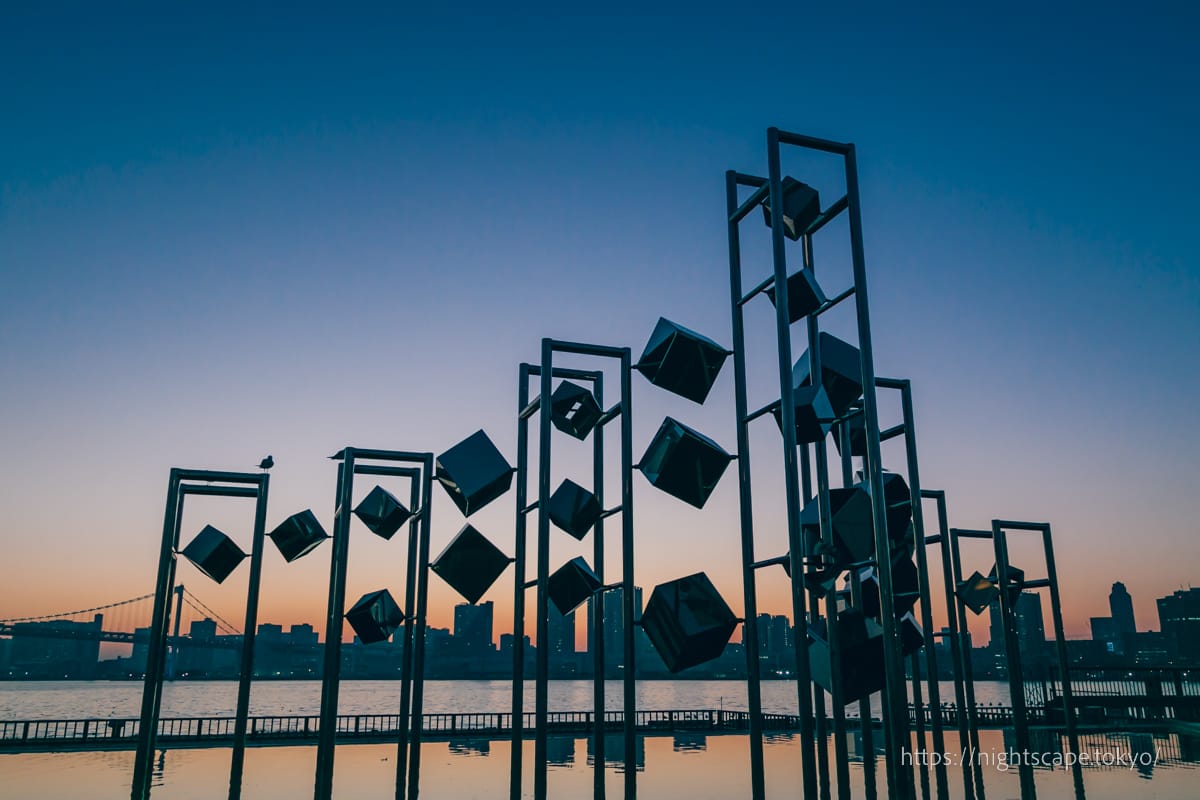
(801, 207)
(382, 513)
(977, 592)
(906, 588)
(912, 638)
(688, 622)
(470, 563)
(574, 509)
(574, 410)
(858, 435)
(684, 463)
(571, 584)
(853, 531)
(298, 535)
(473, 472)
(214, 553)
(681, 360)
(841, 372)
(1016, 582)
(375, 617)
(861, 655)
(804, 294)
(814, 414)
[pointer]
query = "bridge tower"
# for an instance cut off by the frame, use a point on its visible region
(173, 653)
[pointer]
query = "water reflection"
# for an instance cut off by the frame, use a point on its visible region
(614, 752)
(690, 743)
(560, 751)
(470, 747)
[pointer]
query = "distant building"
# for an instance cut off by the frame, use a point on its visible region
(561, 642)
(1179, 618)
(36, 653)
(473, 628)
(1120, 604)
(1031, 631)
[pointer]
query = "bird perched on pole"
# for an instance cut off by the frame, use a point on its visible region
(266, 463)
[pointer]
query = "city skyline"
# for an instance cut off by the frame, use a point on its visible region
(199, 283)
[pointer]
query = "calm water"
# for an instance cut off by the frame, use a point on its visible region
(683, 767)
(103, 699)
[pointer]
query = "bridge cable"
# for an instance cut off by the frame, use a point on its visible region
(76, 613)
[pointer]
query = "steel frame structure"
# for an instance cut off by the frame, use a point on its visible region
(419, 471)
(894, 695)
(180, 484)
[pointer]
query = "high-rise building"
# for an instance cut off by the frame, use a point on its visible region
(1179, 618)
(1031, 629)
(614, 642)
(1121, 606)
(561, 640)
(473, 627)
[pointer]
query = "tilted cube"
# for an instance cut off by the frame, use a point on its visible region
(574, 509)
(912, 638)
(382, 513)
(214, 553)
(571, 584)
(861, 655)
(473, 472)
(804, 294)
(898, 502)
(681, 360)
(857, 423)
(801, 207)
(684, 463)
(688, 622)
(906, 588)
(470, 563)
(298, 535)
(375, 617)
(1016, 582)
(574, 410)
(853, 531)
(977, 592)
(841, 372)
(814, 414)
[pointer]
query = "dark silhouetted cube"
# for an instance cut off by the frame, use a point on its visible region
(298, 535)
(862, 655)
(912, 638)
(214, 553)
(853, 531)
(804, 294)
(684, 463)
(906, 588)
(688, 622)
(898, 500)
(681, 360)
(473, 473)
(801, 207)
(813, 414)
(841, 372)
(470, 563)
(1016, 582)
(574, 410)
(571, 584)
(977, 592)
(574, 509)
(375, 617)
(858, 435)
(382, 513)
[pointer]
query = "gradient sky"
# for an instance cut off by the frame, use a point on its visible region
(226, 233)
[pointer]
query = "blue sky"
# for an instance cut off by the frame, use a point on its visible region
(226, 232)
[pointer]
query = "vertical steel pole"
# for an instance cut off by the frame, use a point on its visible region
(1064, 664)
(156, 649)
(173, 650)
(918, 707)
(825, 517)
(894, 701)
(518, 654)
(791, 478)
(418, 697)
(749, 581)
(918, 513)
(331, 675)
(597, 604)
(627, 580)
(249, 629)
(960, 703)
(968, 671)
(1012, 657)
(406, 676)
(541, 673)
(814, 616)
